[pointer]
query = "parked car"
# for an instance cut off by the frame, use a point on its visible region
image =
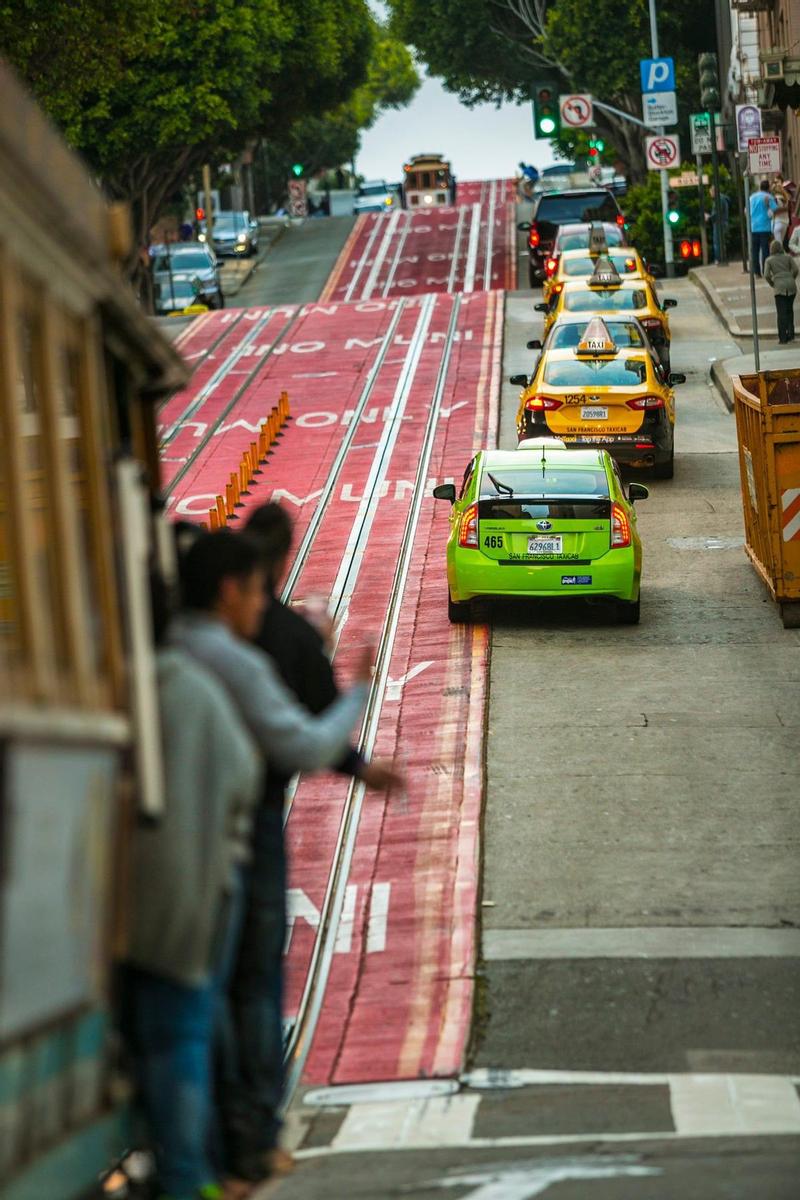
(234, 233)
(189, 261)
(375, 195)
(552, 209)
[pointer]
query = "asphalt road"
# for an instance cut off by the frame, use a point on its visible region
(638, 1025)
(297, 264)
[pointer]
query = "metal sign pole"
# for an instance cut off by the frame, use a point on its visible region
(669, 259)
(702, 207)
(723, 253)
(753, 308)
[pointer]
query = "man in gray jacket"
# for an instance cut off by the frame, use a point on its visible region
(780, 272)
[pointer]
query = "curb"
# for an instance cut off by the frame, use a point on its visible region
(731, 324)
(722, 382)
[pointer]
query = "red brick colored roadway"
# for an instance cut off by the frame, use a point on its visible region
(377, 387)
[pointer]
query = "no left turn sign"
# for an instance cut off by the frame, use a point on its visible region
(576, 110)
(662, 151)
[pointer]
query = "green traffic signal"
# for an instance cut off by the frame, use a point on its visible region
(673, 216)
(547, 124)
(297, 169)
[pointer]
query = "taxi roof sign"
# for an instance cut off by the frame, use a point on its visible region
(597, 240)
(605, 274)
(596, 339)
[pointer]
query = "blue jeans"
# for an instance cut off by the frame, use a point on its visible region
(252, 1075)
(760, 250)
(172, 1028)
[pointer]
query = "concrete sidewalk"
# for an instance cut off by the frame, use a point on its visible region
(722, 369)
(727, 290)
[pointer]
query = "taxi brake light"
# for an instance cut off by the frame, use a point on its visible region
(540, 403)
(468, 529)
(641, 402)
(534, 237)
(651, 322)
(550, 266)
(620, 527)
(630, 264)
(620, 220)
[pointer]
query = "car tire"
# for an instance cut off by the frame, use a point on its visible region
(533, 279)
(458, 611)
(665, 470)
(628, 611)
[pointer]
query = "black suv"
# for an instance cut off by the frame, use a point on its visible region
(551, 209)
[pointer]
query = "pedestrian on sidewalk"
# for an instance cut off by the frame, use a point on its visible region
(780, 272)
(186, 891)
(762, 206)
(780, 216)
(725, 207)
(253, 1081)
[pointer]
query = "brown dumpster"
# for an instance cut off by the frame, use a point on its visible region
(767, 407)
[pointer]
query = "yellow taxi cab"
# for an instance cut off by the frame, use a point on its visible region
(606, 292)
(581, 264)
(602, 394)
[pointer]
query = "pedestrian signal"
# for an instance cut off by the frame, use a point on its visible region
(297, 169)
(199, 213)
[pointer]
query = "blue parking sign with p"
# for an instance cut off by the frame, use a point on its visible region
(658, 74)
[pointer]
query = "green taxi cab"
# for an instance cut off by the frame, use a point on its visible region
(543, 521)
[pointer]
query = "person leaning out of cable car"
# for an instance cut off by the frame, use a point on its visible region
(780, 272)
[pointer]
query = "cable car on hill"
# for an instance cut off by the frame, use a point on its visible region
(428, 182)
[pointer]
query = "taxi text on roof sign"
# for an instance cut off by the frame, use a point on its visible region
(605, 274)
(596, 339)
(597, 240)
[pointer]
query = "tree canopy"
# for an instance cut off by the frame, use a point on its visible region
(148, 92)
(495, 49)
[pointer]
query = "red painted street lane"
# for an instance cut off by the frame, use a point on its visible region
(465, 248)
(374, 387)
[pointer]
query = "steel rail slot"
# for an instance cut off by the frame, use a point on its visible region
(487, 269)
(222, 370)
(401, 245)
(302, 1032)
(362, 262)
(304, 549)
(248, 379)
(472, 249)
(228, 328)
(380, 257)
(347, 576)
(462, 212)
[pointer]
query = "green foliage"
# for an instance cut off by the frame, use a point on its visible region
(642, 206)
(148, 92)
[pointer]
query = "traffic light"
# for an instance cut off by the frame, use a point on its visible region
(596, 147)
(709, 82)
(200, 214)
(297, 169)
(673, 207)
(546, 121)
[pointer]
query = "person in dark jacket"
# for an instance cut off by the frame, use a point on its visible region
(253, 1076)
(780, 272)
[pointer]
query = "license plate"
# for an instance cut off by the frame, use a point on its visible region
(594, 413)
(545, 545)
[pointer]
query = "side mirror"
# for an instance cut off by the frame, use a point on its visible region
(541, 307)
(447, 491)
(676, 377)
(523, 225)
(534, 344)
(520, 380)
(670, 304)
(220, 264)
(637, 491)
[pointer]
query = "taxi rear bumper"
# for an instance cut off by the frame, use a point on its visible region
(471, 574)
(650, 445)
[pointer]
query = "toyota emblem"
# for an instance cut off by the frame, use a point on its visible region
(544, 525)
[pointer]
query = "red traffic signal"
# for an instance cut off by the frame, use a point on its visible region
(690, 248)
(199, 213)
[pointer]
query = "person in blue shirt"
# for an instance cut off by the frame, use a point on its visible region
(529, 171)
(762, 206)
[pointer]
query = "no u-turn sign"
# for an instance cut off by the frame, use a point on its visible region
(662, 151)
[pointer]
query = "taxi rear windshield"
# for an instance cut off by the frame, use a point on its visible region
(596, 372)
(550, 482)
(573, 508)
(585, 266)
(591, 206)
(567, 336)
(580, 241)
(600, 299)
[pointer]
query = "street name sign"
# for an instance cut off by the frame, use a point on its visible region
(657, 74)
(662, 151)
(686, 179)
(764, 155)
(700, 129)
(577, 111)
(659, 108)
